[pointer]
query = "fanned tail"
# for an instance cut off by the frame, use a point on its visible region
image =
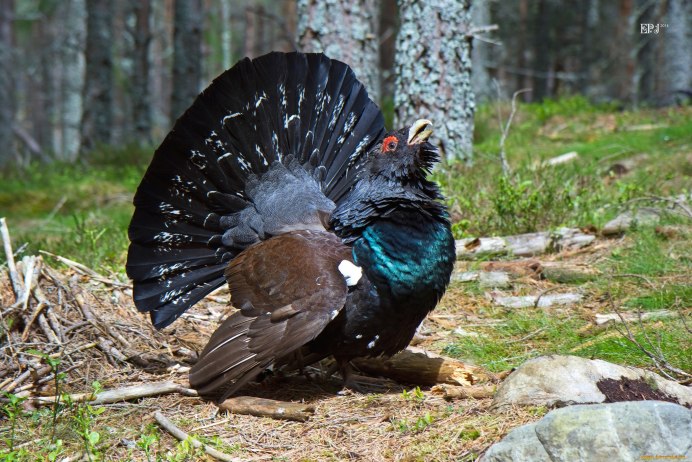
(268, 147)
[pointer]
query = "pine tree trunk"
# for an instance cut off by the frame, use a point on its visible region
(433, 72)
(141, 101)
(72, 14)
(678, 51)
(346, 31)
(7, 86)
(187, 55)
(98, 92)
(482, 83)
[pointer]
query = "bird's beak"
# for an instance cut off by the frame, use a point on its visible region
(420, 131)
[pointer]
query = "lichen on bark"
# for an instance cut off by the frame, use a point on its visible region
(433, 72)
(347, 31)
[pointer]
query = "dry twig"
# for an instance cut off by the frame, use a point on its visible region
(657, 357)
(167, 425)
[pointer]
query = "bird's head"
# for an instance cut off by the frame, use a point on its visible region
(405, 154)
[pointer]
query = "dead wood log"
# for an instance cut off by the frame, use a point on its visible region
(262, 407)
(450, 392)
(167, 425)
(569, 272)
(123, 394)
(421, 367)
(523, 245)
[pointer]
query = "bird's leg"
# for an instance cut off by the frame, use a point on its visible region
(358, 383)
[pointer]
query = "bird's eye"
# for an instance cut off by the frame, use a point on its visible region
(389, 144)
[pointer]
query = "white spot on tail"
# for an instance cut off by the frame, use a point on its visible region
(351, 272)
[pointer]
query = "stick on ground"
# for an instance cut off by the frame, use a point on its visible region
(167, 425)
(261, 407)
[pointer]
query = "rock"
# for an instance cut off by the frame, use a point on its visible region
(628, 431)
(494, 280)
(563, 380)
(521, 444)
(529, 301)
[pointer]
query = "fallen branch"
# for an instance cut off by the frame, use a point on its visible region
(122, 394)
(536, 301)
(86, 271)
(262, 407)
(450, 392)
(167, 425)
(14, 276)
(421, 367)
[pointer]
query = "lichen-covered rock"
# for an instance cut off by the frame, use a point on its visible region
(521, 444)
(628, 431)
(563, 380)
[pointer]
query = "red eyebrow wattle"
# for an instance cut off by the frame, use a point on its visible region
(389, 139)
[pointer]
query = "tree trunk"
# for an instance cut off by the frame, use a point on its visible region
(141, 101)
(433, 72)
(72, 15)
(541, 51)
(346, 31)
(483, 89)
(7, 86)
(677, 52)
(226, 35)
(187, 55)
(98, 86)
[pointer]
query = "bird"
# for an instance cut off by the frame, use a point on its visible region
(281, 181)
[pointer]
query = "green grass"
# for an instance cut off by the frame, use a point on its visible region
(79, 211)
(644, 272)
(581, 193)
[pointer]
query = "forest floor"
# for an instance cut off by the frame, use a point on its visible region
(87, 336)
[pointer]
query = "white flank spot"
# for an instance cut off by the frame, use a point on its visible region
(359, 336)
(351, 272)
(334, 313)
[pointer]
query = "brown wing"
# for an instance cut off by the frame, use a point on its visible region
(287, 288)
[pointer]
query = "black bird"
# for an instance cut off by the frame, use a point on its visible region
(281, 180)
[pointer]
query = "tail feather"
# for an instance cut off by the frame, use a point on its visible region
(207, 195)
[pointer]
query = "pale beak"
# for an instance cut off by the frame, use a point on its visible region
(420, 131)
